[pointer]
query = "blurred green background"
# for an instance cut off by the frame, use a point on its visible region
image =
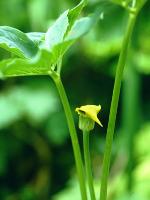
(36, 159)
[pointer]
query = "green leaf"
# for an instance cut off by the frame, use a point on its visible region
(54, 38)
(17, 42)
(74, 13)
(39, 65)
(82, 26)
(85, 24)
(36, 37)
(56, 32)
(54, 46)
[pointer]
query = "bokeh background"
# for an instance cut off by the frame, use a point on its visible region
(36, 159)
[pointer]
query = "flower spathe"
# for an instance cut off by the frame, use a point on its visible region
(90, 111)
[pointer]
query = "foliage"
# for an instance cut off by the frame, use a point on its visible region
(38, 54)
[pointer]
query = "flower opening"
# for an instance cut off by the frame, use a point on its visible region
(90, 111)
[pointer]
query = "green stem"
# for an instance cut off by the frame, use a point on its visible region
(76, 149)
(88, 164)
(114, 106)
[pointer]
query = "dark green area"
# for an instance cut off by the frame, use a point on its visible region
(36, 159)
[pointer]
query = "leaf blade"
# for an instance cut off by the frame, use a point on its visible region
(39, 65)
(17, 42)
(82, 26)
(74, 13)
(36, 37)
(56, 32)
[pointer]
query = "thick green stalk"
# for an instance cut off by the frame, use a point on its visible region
(76, 149)
(88, 164)
(114, 106)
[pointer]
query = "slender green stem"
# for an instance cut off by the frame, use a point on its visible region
(88, 164)
(76, 149)
(114, 106)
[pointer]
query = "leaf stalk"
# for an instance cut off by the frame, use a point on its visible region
(74, 139)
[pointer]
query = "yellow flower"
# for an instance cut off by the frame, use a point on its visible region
(90, 111)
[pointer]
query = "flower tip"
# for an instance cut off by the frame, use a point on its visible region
(98, 121)
(100, 124)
